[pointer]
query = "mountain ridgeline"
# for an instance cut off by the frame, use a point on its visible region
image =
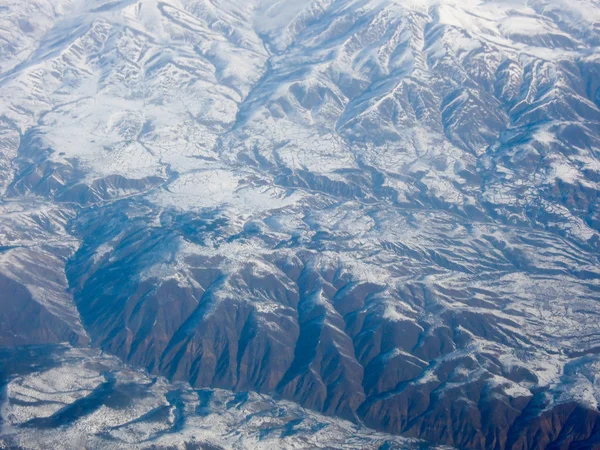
(384, 211)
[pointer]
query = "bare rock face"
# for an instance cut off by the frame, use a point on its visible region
(385, 212)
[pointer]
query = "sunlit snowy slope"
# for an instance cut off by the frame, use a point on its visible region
(383, 211)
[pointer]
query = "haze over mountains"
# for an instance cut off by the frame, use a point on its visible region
(383, 211)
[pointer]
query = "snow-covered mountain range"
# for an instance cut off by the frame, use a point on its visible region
(62, 397)
(384, 211)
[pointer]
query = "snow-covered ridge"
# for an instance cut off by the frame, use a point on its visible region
(99, 402)
(386, 211)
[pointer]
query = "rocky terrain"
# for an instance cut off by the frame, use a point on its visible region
(386, 212)
(60, 397)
